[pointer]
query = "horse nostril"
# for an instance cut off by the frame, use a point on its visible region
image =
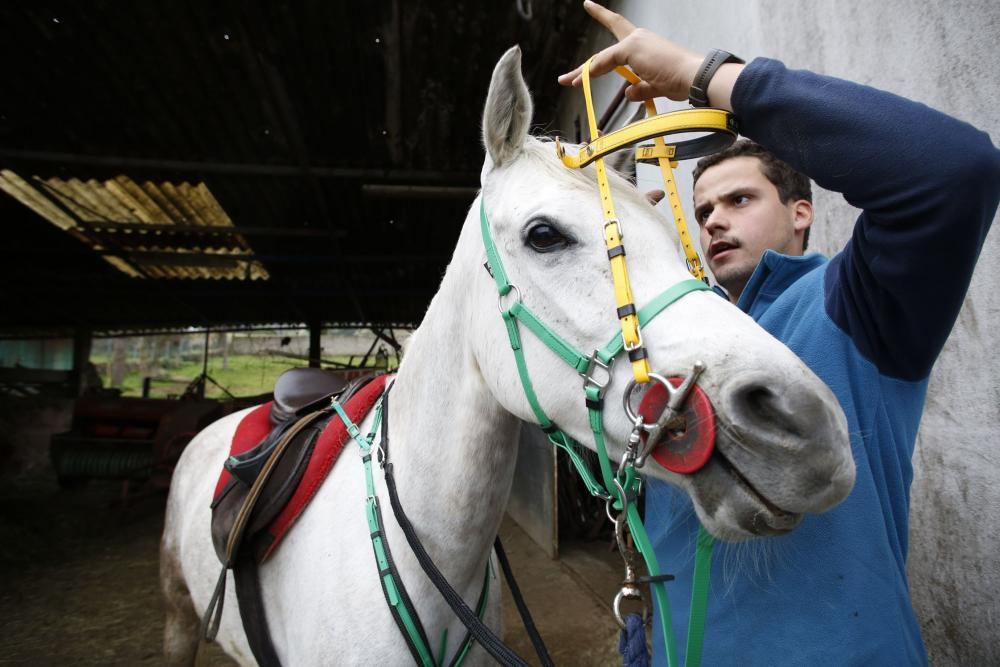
(759, 404)
(760, 401)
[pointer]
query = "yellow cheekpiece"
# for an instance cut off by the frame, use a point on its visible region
(722, 131)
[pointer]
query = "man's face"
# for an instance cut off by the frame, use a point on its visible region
(740, 215)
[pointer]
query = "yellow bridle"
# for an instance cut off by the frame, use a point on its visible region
(721, 128)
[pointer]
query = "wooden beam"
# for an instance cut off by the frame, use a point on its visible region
(138, 227)
(14, 157)
(393, 191)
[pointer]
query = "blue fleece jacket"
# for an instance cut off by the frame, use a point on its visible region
(870, 322)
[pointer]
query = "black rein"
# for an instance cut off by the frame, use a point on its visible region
(486, 637)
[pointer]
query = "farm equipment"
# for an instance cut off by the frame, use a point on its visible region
(130, 439)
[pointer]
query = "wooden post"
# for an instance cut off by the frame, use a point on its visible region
(315, 349)
(82, 339)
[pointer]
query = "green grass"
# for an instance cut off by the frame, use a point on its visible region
(246, 375)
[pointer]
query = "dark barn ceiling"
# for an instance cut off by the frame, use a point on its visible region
(341, 138)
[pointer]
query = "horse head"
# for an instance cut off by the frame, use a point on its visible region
(781, 445)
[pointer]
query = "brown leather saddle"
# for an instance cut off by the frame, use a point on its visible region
(299, 413)
(262, 481)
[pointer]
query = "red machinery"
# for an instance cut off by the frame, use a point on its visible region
(127, 438)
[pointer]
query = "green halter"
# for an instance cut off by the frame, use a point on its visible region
(617, 489)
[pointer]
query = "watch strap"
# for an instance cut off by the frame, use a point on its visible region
(716, 58)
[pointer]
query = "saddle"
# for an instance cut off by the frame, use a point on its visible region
(296, 417)
(263, 488)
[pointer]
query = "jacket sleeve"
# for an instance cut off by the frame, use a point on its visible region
(928, 186)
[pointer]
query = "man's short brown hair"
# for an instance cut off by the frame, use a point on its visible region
(791, 185)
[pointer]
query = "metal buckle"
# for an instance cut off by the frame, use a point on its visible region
(638, 344)
(588, 376)
(616, 223)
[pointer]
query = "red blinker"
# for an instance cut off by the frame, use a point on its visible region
(687, 450)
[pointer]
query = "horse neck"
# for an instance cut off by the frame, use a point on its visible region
(452, 445)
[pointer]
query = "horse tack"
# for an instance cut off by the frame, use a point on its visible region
(296, 417)
(721, 130)
(240, 516)
(260, 492)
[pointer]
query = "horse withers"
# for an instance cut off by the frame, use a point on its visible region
(457, 404)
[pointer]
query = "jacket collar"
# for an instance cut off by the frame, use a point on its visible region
(773, 275)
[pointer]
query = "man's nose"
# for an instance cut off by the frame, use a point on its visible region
(716, 221)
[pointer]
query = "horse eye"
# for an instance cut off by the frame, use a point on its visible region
(543, 237)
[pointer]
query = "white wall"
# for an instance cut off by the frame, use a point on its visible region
(946, 55)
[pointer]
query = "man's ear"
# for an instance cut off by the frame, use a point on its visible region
(802, 214)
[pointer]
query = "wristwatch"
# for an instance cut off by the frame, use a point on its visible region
(716, 58)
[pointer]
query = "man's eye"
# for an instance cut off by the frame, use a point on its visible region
(544, 237)
(701, 216)
(739, 200)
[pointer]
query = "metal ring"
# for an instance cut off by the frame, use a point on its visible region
(513, 288)
(627, 399)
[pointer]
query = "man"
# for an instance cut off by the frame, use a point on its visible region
(748, 201)
(870, 322)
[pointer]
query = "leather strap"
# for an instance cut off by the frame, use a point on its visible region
(716, 58)
(613, 241)
(493, 645)
(251, 603)
(720, 124)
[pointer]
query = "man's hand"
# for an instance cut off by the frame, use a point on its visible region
(666, 69)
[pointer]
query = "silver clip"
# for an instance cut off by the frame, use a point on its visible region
(589, 380)
(630, 589)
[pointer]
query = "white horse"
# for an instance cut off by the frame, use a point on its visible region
(457, 406)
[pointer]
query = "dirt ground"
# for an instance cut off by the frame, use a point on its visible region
(78, 583)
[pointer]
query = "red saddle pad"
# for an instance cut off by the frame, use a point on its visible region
(255, 426)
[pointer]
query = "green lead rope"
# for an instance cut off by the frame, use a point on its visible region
(519, 313)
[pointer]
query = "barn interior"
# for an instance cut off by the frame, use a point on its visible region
(183, 166)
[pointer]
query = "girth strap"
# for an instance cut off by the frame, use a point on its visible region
(251, 604)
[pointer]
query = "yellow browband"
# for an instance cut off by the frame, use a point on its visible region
(721, 129)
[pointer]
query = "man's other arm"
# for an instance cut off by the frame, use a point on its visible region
(928, 185)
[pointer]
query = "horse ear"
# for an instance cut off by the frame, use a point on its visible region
(508, 109)
(623, 161)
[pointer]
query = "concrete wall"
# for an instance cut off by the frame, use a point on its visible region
(946, 55)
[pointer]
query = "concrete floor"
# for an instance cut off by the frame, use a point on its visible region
(78, 584)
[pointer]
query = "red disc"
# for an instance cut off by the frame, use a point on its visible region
(688, 450)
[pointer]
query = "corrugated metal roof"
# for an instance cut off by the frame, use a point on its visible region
(341, 139)
(140, 229)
